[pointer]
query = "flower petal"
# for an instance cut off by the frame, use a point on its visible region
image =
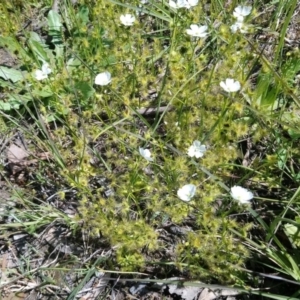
(103, 78)
(40, 75)
(187, 192)
(45, 68)
(230, 85)
(127, 19)
(241, 194)
(145, 153)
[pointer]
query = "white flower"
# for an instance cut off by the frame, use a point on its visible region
(230, 85)
(46, 69)
(241, 11)
(39, 75)
(196, 149)
(127, 19)
(242, 195)
(187, 192)
(145, 153)
(183, 3)
(239, 26)
(43, 74)
(191, 3)
(103, 78)
(197, 31)
(177, 4)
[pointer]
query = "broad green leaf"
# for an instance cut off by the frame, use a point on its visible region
(267, 92)
(59, 50)
(73, 63)
(35, 37)
(4, 83)
(294, 134)
(293, 233)
(83, 15)
(84, 89)
(11, 74)
(14, 102)
(39, 51)
(50, 118)
(37, 47)
(54, 22)
(55, 26)
(45, 92)
(19, 99)
(110, 60)
(5, 106)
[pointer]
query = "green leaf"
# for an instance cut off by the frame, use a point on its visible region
(5, 106)
(73, 63)
(54, 22)
(84, 89)
(39, 51)
(293, 233)
(14, 102)
(44, 93)
(55, 27)
(37, 46)
(11, 74)
(4, 83)
(110, 60)
(83, 15)
(267, 93)
(33, 36)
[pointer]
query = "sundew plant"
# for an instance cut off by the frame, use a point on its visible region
(164, 64)
(163, 114)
